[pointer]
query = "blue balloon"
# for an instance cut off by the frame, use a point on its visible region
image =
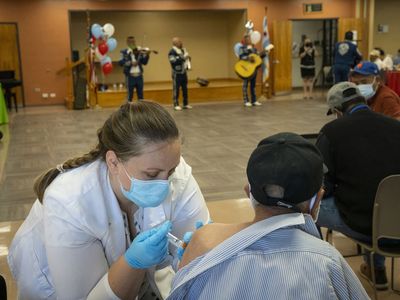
(112, 44)
(105, 60)
(236, 48)
(97, 31)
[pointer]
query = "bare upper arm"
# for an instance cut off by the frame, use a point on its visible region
(207, 238)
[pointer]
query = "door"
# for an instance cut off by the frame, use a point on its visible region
(9, 54)
(282, 56)
(354, 24)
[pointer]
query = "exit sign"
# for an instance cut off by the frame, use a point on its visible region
(312, 7)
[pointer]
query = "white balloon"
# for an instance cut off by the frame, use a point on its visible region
(108, 29)
(255, 37)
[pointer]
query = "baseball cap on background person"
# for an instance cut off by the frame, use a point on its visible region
(366, 68)
(341, 93)
(284, 170)
(375, 53)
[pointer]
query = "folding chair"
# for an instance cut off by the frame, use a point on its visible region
(385, 223)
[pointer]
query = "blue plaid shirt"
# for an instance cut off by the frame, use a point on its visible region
(277, 258)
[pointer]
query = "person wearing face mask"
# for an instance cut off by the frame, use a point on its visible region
(279, 255)
(307, 55)
(133, 60)
(360, 148)
(379, 97)
(94, 230)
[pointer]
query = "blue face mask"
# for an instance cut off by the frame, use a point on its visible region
(146, 193)
(367, 90)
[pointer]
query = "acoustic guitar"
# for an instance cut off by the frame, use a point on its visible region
(245, 68)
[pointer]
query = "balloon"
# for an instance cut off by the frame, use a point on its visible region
(103, 48)
(236, 48)
(107, 68)
(97, 31)
(112, 44)
(255, 37)
(106, 59)
(108, 29)
(99, 56)
(249, 25)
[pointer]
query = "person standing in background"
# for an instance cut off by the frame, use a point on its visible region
(346, 56)
(180, 62)
(133, 59)
(307, 54)
(245, 52)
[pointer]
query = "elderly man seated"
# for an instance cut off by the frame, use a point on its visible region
(379, 97)
(280, 254)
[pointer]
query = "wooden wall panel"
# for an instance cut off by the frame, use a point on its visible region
(350, 24)
(282, 55)
(9, 55)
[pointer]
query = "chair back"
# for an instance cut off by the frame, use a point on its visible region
(386, 218)
(9, 74)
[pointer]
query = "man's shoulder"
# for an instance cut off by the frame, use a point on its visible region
(385, 91)
(208, 237)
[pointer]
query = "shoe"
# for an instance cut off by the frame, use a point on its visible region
(256, 103)
(177, 107)
(247, 104)
(380, 277)
(187, 107)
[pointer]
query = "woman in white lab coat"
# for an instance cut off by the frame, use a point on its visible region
(76, 242)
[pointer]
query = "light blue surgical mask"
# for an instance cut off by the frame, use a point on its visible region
(146, 193)
(367, 90)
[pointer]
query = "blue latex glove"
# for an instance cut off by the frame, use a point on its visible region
(149, 248)
(188, 236)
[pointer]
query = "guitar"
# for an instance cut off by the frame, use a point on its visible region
(245, 68)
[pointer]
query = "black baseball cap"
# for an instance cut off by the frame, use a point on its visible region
(285, 169)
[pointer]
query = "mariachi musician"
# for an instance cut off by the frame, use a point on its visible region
(245, 52)
(180, 63)
(133, 59)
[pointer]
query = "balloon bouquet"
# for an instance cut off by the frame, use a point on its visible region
(102, 36)
(255, 37)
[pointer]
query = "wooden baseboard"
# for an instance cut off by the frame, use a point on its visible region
(221, 90)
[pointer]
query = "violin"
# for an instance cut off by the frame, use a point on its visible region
(147, 51)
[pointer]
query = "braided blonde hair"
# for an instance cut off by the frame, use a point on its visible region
(126, 132)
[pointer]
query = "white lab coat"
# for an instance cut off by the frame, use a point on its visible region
(65, 247)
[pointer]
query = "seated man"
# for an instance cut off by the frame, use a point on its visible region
(280, 254)
(379, 97)
(360, 148)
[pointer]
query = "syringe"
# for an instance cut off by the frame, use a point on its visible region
(175, 241)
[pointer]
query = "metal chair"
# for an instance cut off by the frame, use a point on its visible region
(385, 223)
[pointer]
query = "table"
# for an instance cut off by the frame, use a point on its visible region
(393, 81)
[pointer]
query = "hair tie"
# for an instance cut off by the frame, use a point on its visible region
(60, 168)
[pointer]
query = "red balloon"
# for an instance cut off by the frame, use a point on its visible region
(107, 68)
(103, 48)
